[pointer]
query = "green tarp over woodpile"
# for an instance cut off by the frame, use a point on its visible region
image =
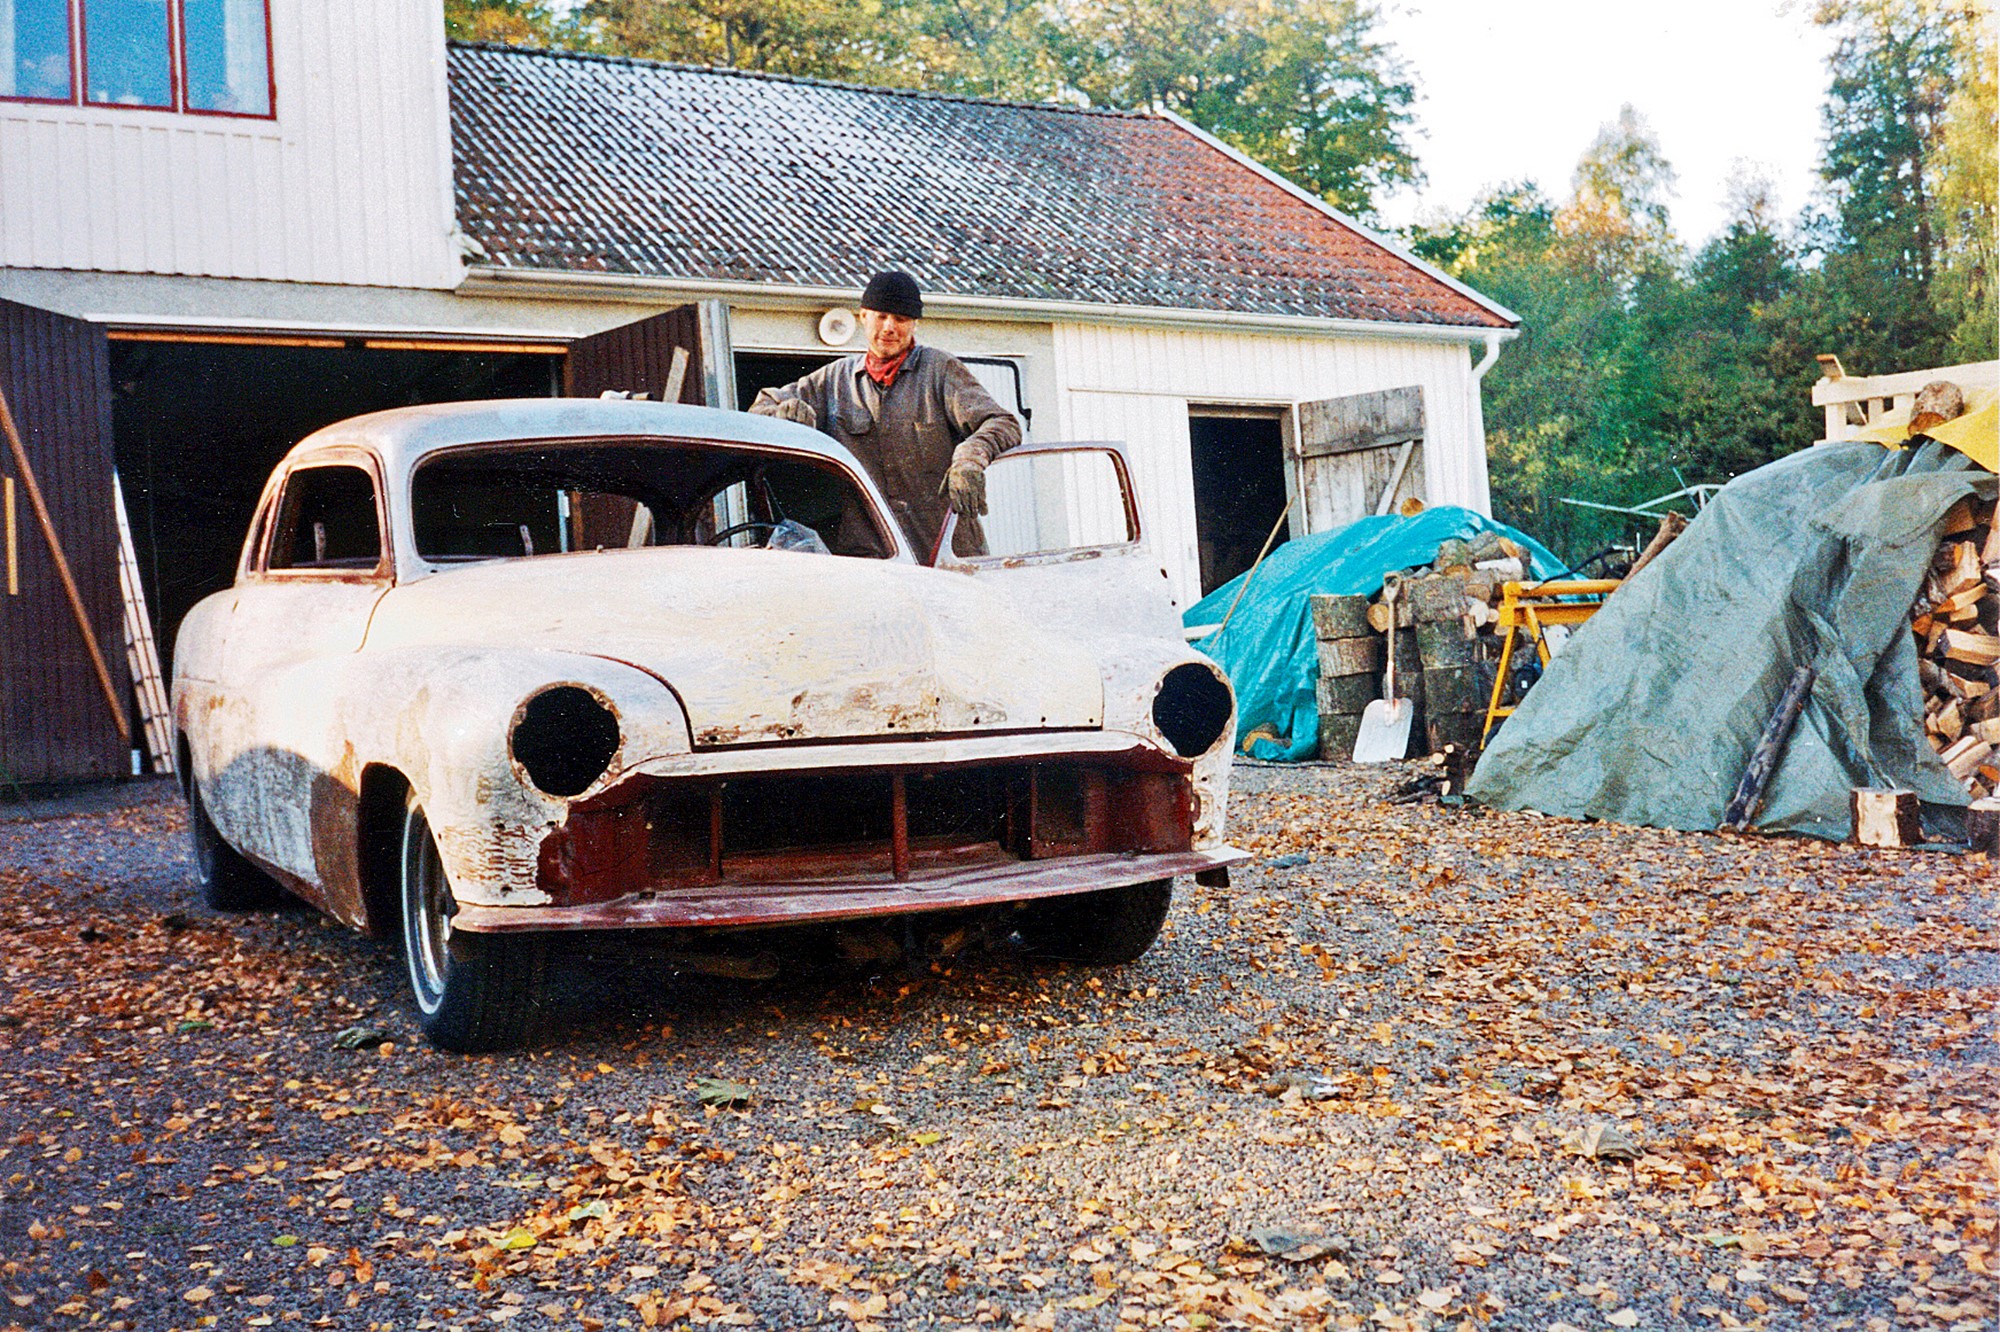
(1268, 647)
(1650, 714)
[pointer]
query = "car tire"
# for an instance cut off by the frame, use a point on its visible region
(227, 880)
(1104, 928)
(474, 992)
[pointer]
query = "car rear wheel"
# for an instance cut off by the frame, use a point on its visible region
(1104, 928)
(474, 992)
(228, 882)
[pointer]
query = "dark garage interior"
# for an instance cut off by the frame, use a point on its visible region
(1239, 490)
(198, 426)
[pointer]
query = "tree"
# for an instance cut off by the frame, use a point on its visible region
(983, 48)
(1301, 86)
(508, 22)
(1969, 190)
(1897, 69)
(833, 39)
(1617, 220)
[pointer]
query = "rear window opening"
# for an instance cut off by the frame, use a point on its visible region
(517, 501)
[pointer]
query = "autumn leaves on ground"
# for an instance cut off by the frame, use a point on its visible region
(1420, 1067)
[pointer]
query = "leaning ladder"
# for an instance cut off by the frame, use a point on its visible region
(140, 651)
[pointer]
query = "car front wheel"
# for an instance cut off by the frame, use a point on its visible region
(228, 882)
(474, 992)
(1104, 928)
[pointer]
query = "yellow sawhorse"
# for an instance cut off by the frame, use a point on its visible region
(1530, 608)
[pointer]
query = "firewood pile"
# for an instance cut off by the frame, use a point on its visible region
(1956, 620)
(1444, 642)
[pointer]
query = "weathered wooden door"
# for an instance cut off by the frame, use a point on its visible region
(686, 350)
(55, 724)
(1360, 454)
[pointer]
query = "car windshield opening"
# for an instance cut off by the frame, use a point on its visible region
(511, 501)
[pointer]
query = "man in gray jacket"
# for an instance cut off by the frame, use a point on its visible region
(918, 420)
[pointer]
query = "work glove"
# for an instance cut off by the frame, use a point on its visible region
(799, 410)
(965, 484)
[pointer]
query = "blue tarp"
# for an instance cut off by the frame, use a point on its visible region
(1268, 648)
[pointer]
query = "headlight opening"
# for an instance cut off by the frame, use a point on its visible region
(1192, 709)
(564, 738)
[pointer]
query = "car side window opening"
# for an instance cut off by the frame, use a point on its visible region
(517, 501)
(1047, 502)
(327, 519)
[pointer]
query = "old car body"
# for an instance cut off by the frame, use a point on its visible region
(493, 670)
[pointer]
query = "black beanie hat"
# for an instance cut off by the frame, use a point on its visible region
(894, 292)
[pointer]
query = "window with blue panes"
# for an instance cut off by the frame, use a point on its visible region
(209, 57)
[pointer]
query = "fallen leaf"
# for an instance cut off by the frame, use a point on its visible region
(721, 1091)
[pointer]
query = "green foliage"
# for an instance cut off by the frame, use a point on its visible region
(1300, 85)
(1641, 368)
(834, 39)
(508, 22)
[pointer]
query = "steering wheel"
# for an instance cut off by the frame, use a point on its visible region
(736, 529)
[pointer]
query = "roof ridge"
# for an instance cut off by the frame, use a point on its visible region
(730, 71)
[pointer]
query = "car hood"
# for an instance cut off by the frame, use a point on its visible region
(766, 646)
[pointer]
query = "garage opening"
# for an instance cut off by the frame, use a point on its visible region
(757, 371)
(197, 427)
(1240, 486)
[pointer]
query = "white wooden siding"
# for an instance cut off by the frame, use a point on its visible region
(1135, 385)
(351, 183)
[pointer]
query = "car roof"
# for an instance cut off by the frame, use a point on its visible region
(403, 436)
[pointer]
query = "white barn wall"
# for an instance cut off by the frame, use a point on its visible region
(1135, 385)
(351, 183)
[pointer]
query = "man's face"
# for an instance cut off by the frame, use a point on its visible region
(889, 335)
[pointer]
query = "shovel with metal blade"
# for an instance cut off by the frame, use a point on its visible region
(1385, 723)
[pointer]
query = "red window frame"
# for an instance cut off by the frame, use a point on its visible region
(79, 70)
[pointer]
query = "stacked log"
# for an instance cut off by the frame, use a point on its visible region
(1956, 621)
(1445, 647)
(1350, 664)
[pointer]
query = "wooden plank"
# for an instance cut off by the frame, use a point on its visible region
(1359, 422)
(1744, 805)
(55, 724)
(640, 359)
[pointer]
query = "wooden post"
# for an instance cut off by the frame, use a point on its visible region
(1742, 809)
(1885, 817)
(41, 509)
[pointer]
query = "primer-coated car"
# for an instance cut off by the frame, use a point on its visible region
(492, 670)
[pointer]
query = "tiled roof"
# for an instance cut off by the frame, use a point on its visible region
(590, 164)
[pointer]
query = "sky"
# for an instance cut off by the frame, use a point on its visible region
(1517, 89)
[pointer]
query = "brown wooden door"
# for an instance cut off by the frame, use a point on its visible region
(640, 358)
(55, 725)
(1357, 451)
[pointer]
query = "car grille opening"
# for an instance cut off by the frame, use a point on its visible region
(847, 826)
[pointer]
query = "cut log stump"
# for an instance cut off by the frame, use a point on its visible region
(1885, 816)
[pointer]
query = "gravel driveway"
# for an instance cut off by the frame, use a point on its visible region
(1420, 1067)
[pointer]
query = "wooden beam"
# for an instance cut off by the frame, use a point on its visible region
(1743, 806)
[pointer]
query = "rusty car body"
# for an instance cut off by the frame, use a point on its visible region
(493, 670)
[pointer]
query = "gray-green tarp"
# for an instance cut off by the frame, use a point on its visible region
(1650, 713)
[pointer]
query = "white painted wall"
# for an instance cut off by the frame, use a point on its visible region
(1134, 386)
(350, 184)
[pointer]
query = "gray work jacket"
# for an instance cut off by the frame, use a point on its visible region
(934, 413)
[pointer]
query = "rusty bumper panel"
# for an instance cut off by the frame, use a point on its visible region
(778, 902)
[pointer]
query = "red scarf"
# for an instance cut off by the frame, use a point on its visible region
(884, 371)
